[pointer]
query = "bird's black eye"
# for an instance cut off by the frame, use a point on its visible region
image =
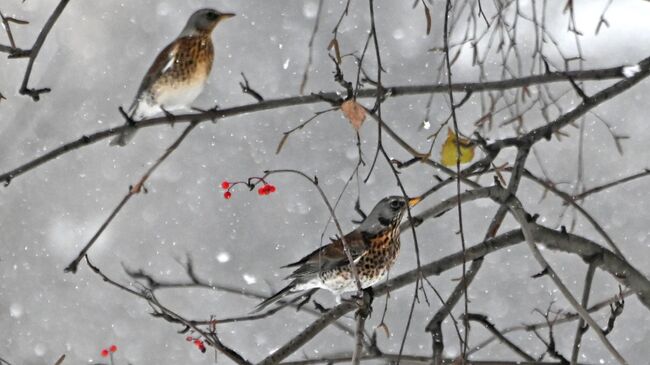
(396, 204)
(212, 15)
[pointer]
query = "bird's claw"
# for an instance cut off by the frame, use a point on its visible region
(171, 117)
(363, 300)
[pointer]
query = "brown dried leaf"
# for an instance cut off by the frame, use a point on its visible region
(385, 328)
(335, 44)
(355, 113)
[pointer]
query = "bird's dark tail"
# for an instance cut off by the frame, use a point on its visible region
(123, 138)
(275, 297)
(127, 135)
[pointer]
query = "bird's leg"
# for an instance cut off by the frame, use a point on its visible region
(171, 117)
(305, 298)
(127, 117)
(365, 303)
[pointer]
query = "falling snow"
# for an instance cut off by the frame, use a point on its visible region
(94, 60)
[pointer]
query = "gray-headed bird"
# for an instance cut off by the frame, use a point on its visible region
(374, 246)
(178, 74)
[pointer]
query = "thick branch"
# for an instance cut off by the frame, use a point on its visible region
(598, 74)
(560, 241)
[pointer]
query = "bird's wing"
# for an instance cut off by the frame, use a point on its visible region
(163, 63)
(331, 256)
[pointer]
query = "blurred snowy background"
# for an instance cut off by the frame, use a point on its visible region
(94, 60)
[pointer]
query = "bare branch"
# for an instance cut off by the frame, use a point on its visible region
(36, 48)
(599, 74)
(135, 189)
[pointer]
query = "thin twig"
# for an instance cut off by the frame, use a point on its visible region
(518, 212)
(135, 189)
(163, 312)
(36, 48)
(454, 119)
(490, 327)
(346, 247)
(580, 330)
(305, 75)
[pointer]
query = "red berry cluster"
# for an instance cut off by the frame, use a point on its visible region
(265, 189)
(108, 351)
(225, 185)
(197, 342)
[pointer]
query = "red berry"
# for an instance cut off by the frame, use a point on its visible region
(227, 195)
(113, 348)
(189, 338)
(198, 342)
(225, 184)
(272, 188)
(104, 353)
(262, 190)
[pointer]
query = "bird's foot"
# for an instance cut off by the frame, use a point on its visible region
(171, 117)
(126, 117)
(365, 303)
(305, 298)
(363, 300)
(319, 307)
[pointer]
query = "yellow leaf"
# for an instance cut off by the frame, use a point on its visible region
(355, 113)
(449, 153)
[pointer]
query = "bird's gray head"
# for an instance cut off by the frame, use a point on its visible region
(387, 213)
(203, 21)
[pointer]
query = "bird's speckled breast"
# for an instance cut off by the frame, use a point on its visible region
(372, 267)
(181, 83)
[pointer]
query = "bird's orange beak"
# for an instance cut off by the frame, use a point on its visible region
(414, 201)
(227, 15)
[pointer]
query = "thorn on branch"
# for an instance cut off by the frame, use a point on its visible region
(401, 165)
(577, 89)
(547, 68)
(541, 273)
(468, 94)
(357, 208)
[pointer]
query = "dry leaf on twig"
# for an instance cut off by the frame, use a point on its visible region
(449, 153)
(355, 113)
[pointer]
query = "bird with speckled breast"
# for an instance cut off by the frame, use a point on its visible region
(373, 245)
(178, 75)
